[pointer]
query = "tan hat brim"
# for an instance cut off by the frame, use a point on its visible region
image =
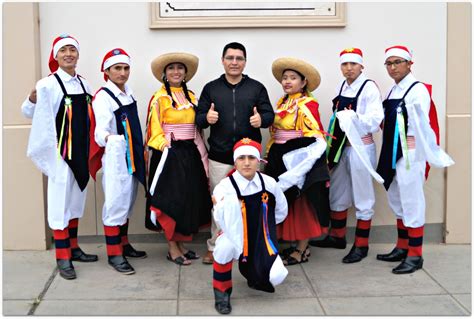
(288, 63)
(189, 60)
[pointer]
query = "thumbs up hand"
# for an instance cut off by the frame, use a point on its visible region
(255, 119)
(212, 115)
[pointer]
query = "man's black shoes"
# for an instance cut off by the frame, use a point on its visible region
(330, 242)
(397, 254)
(409, 265)
(66, 269)
(222, 304)
(129, 251)
(79, 255)
(121, 264)
(355, 255)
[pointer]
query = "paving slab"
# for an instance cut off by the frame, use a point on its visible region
(255, 307)
(155, 278)
(370, 277)
(433, 305)
(295, 285)
(152, 307)
(26, 273)
(465, 300)
(16, 307)
(451, 268)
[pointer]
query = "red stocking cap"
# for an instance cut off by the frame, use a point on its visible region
(351, 55)
(58, 43)
(247, 146)
(400, 51)
(113, 57)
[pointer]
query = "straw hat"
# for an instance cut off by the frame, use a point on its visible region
(159, 64)
(287, 63)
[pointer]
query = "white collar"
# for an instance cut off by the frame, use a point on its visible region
(358, 82)
(64, 76)
(116, 91)
(243, 183)
(406, 82)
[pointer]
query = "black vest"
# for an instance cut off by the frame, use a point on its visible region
(392, 107)
(74, 124)
(129, 112)
(339, 103)
(256, 266)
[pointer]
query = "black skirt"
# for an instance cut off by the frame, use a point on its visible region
(315, 183)
(182, 190)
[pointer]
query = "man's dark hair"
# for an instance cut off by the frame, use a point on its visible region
(236, 46)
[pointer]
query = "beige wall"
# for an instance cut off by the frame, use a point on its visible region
(445, 190)
(23, 204)
(458, 126)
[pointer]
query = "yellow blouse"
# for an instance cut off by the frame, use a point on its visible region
(293, 114)
(161, 111)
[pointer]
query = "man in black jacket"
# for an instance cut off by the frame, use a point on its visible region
(235, 106)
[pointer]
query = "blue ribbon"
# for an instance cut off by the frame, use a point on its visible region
(395, 145)
(265, 224)
(129, 161)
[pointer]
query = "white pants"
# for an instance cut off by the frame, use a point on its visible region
(120, 188)
(217, 172)
(405, 194)
(66, 201)
(351, 184)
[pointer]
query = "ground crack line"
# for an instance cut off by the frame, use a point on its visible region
(38, 299)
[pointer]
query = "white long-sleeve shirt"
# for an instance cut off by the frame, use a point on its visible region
(246, 187)
(417, 97)
(104, 107)
(48, 91)
(369, 103)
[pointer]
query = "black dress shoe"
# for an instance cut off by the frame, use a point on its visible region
(355, 255)
(79, 255)
(121, 264)
(397, 254)
(66, 269)
(129, 251)
(330, 242)
(409, 265)
(222, 304)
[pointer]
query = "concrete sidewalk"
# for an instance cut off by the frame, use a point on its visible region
(323, 286)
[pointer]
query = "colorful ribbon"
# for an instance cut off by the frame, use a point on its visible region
(329, 138)
(68, 143)
(395, 144)
(403, 137)
(266, 232)
(128, 141)
(244, 221)
(69, 136)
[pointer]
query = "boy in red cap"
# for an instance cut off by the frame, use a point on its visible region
(352, 155)
(408, 143)
(59, 145)
(247, 207)
(118, 131)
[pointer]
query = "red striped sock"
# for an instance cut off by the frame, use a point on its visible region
(222, 276)
(124, 233)
(73, 224)
(402, 241)
(62, 244)
(338, 224)
(362, 233)
(113, 241)
(415, 241)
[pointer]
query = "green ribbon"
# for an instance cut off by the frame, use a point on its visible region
(332, 124)
(67, 102)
